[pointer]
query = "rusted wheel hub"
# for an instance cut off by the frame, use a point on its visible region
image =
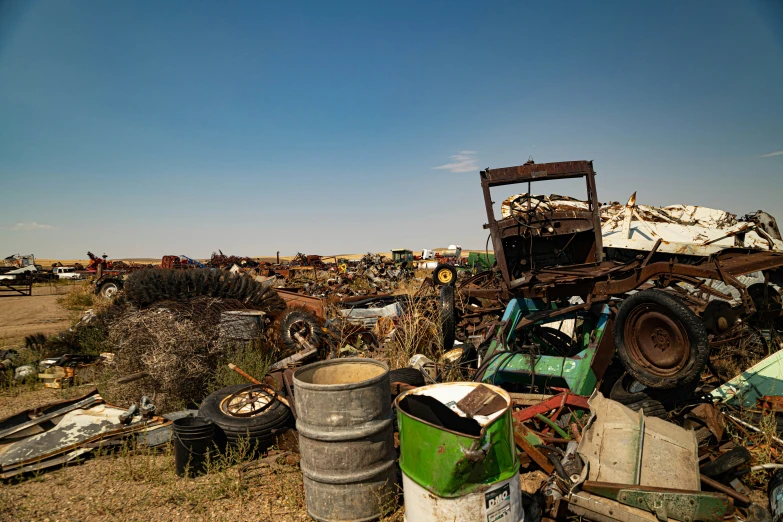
(657, 340)
(248, 402)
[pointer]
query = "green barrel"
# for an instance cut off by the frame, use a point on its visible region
(452, 464)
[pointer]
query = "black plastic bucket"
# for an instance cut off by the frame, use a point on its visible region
(192, 438)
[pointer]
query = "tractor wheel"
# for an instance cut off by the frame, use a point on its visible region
(109, 288)
(659, 340)
(448, 322)
(444, 275)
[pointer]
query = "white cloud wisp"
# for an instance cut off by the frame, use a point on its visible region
(28, 226)
(464, 161)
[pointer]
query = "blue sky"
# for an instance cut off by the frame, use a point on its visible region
(148, 128)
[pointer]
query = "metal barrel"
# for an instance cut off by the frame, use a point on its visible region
(346, 439)
(241, 325)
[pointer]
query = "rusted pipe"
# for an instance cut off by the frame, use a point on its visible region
(714, 484)
(244, 374)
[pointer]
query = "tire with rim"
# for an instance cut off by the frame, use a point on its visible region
(448, 322)
(444, 275)
(659, 340)
(109, 288)
(303, 323)
(260, 429)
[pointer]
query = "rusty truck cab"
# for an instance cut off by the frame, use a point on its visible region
(532, 237)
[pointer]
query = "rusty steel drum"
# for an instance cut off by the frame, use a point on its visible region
(346, 439)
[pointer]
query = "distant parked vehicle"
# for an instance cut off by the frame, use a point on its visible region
(66, 272)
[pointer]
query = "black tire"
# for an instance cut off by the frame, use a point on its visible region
(448, 322)
(622, 394)
(650, 407)
(648, 324)
(260, 429)
(728, 461)
(627, 390)
(109, 288)
(304, 323)
(410, 376)
(445, 275)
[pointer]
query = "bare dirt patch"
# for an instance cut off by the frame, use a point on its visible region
(40, 312)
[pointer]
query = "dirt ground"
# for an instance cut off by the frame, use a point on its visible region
(25, 315)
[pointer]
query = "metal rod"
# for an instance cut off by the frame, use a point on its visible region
(244, 374)
(714, 484)
(752, 427)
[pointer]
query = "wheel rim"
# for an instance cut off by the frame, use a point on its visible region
(445, 276)
(246, 402)
(109, 290)
(656, 340)
(302, 328)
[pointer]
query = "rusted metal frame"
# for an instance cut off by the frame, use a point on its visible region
(652, 252)
(653, 270)
(510, 227)
(696, 302)
(492, 224)
(536, 171)
(482, 311)
(727, 278)
(698, 284)
(588, 270)
(530, 450)
(744, 261)
(553, 403)
(596, 208)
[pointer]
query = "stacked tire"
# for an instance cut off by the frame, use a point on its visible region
(260, 430)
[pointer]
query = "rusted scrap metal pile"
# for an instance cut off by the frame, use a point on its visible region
(332, 277)
(618, 362)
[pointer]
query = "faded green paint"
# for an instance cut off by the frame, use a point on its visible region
(554, 426)
(675, 504)
(540, 370)
(435, 458)
(480, 261)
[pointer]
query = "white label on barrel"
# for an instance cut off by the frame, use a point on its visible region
(498, 504)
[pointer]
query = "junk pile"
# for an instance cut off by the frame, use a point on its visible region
(583, 375)
(373, 274)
